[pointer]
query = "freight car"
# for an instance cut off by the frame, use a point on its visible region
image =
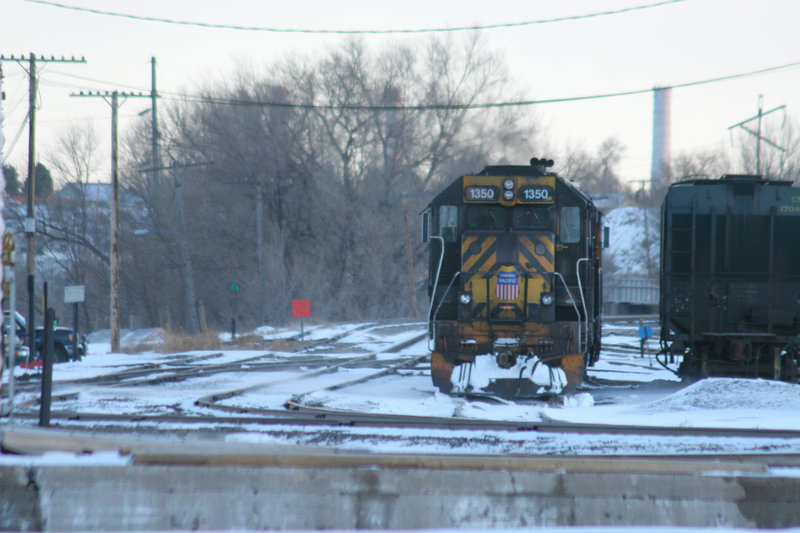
(730, 277)
(514, 282)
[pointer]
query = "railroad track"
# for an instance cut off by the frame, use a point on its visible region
(311, 417)
(211, 401)
(185, 367)
(301, 411)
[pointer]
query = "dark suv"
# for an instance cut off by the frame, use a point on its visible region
(62, 340)
(62, 344)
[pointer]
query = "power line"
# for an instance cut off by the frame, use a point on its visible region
(95, 80)
(432, 107)
(18, 135)
(351, 32)
(487, 105)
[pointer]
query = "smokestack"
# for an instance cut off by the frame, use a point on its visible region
(661, 137)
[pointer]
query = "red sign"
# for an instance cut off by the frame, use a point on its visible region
(301, 308)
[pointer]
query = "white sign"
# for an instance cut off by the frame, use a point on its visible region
(74, 294)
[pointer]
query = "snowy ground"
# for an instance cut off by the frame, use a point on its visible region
(623, 388)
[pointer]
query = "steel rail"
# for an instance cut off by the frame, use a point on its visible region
(211, 400)
(342, 418)
(184, 372)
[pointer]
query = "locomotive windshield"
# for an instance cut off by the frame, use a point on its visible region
(531, 217)
(570, 224)
(486, 218)
(522, 218)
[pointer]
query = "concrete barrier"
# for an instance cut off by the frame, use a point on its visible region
(70, 498)
(296, 490)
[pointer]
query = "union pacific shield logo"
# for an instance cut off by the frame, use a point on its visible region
(507, 287)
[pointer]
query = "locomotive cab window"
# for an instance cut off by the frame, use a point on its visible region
(486, 218)
(448, 222)
(531, 217)
(570, 224)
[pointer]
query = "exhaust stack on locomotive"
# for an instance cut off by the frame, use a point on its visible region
(514, 282)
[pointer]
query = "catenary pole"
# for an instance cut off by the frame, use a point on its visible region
(757, 134)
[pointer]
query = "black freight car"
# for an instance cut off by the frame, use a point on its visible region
(514, 282)
(730, 277)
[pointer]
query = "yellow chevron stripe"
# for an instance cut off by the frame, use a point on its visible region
(485, 242)
(477, 283)
(528, 245)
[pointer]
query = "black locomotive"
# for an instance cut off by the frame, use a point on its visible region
(730, 277)
(514, 282)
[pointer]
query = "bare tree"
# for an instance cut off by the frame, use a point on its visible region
(76, 157)
(779, 155)
(316, 166)
(596, 174)
(708, 164)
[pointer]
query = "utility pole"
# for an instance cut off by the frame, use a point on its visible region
(114, 255)
(757, 134)
(188, 274)
(30, 218)
(260, 249)
(411, 268)
(259, 185)
(154, 135)
(114, 252)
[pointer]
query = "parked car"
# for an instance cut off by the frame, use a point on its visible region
(62, 340)
(22, 352)
(63, 345)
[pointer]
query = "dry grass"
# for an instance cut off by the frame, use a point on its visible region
(256, 342)
(285, 345)
(179, 341)
(176, 341)
(249, 342)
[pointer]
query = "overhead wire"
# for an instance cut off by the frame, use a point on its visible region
(352, 32)
(487, 105)
(18, 135)
(419, 107)
(423, 107)
(95, 80)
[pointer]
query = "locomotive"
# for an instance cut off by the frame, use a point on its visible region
(514, 282)
(730, 277)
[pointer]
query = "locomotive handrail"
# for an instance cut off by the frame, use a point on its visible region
(433, 318)
(580, 290)
(571, 299)
(435, 283)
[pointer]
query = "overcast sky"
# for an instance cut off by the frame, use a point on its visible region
(674, 43)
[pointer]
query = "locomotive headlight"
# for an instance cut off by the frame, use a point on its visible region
(508, 184)
(508, 195)
(465, 298)
(540, 249)
(547, 299)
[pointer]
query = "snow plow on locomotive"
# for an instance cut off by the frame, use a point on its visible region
(514, 282)
(730, 277)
